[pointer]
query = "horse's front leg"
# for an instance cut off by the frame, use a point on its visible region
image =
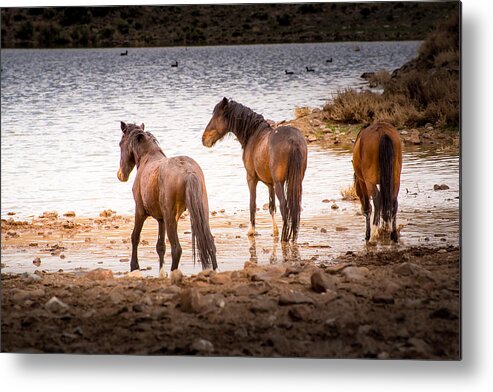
(252, 186)
(272, 210)
(140, 218)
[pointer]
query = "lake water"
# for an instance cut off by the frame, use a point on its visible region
(60, 129)
(61, 112)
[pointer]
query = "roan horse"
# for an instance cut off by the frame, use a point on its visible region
(164, 188)
(277, 157)
(377, 163)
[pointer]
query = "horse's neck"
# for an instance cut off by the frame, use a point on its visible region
(149, 156)
(253, 135)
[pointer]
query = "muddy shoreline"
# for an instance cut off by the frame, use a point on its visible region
(399, 304)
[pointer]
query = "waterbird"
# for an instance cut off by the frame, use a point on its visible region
(329, 60)
(288, 72)
(175, 64)
(309, 69)
(124, 53)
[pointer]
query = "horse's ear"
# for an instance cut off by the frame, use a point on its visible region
(225, 101)
(123, 126)
(142, 126)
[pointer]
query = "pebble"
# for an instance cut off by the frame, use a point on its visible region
(321, 282)
(55, 305)
(20, 295)
(323, 230)
(125, 260)
(99, 274)
(202, 346)
(334, 206)
(300, 313)
(191, 301)
(37, 261)
(442, 187)
(222, 278)
(293, 298)
(355, 273)
(69, 214)
(134, 274)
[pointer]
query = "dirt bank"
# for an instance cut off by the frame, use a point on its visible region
(317, 128)
(395, 304)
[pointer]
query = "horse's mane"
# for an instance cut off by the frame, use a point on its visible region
(243, 122)
(133, 133)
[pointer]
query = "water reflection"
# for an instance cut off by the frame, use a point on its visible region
(290, 252)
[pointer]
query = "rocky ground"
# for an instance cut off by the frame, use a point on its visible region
(395, 304)
(317, 128)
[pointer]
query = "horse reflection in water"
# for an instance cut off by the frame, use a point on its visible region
(290, 251)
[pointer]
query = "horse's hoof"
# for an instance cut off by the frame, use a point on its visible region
(251, 232)
(394, 237)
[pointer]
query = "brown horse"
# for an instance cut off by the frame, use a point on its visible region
(164, 188)
(377, 163)
(277, 157)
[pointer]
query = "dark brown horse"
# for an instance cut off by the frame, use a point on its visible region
(164, 188)
(277, 157)
(377, 163)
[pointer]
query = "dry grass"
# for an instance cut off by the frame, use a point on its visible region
(301, 111)
(349, 193)
(425, 90)
(379, 79)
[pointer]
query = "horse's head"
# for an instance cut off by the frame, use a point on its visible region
(127, 155)
(218, 124)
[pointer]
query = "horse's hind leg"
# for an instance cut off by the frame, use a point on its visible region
(377, 204)
(279, 189)
(365, 205)
(272, 210)
(140, 218)
(161, 245)
(393, 235)
(172, 230)
(252, 186)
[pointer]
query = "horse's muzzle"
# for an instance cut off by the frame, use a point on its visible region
(120, 176)
(207, 142)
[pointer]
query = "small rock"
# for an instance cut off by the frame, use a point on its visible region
(11, 213)
(339, 228)
(99, 274)
(69, 214)
(355, 273)
(300, 313)
(106, 213)
(134, 274)
(443, 313)
(293, 298)
(222, 278)
(37, 261)
(415, 137)
(263, 306)
(323, 230)
(176, 277)
(33, 244)
(19, 295)
(54, 305)
(144, 242)
(124, 260)
(32, 277)
(49, 214)
(191, 301)
(383, 298)
(116, 296)
(325, 201)
(321, 282)
(334, 206)
(442, 187)
(202, 346)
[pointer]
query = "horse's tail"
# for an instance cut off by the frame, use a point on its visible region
(386, 163)
(201, 233)
(293, 183)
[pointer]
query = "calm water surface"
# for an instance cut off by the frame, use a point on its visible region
(60, 114)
